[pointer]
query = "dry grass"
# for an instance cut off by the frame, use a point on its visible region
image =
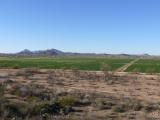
(73, 95)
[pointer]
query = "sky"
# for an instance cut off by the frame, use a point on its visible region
(99, 26)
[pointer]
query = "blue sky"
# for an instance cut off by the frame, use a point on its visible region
(101, 26)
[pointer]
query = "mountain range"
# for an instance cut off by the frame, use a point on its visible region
(55, 52)
(49, 52)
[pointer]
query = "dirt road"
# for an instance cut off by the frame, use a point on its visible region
(123, 68)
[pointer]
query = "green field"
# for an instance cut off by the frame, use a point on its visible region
(81, 63)
(64, 63)
(145, 66)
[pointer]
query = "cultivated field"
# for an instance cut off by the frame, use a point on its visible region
(145, 66)
(78, 63)
(83, 63)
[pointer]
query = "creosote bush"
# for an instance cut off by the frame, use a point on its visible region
(119, 108)
(128, 105)
(67, 100)
(14, 109)
(103, 104)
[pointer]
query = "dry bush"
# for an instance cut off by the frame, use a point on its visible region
(152, 107)
(103, 104)
(129, 105)
(67, 100)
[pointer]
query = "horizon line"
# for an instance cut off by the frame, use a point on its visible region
(109, 53)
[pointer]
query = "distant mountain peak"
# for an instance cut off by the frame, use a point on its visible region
(48, 52)
(25, 51)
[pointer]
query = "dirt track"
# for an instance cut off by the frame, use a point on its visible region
(123, 68)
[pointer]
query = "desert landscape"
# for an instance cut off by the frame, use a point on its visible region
(79, 60)
(61, 94)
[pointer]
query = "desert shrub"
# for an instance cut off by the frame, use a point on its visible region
(36, 109)
(2, 89)
(33, 110)
(132, 104)
(16, 90)
(8, 81)
(15, 110)
(51, 108)
(27, 72)
(119, 108)
(136, 106)
(2, 98)
(103, 104)
(128, 105)
(152, 107)
(83, 102)
(45, 108)
(67, 100)
(31, 92)
(66, 103)
(67, 109)
(32, 98)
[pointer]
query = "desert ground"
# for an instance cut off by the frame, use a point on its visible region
(40, 94)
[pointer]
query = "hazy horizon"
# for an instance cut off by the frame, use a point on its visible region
(73, 52)
(84, 26)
